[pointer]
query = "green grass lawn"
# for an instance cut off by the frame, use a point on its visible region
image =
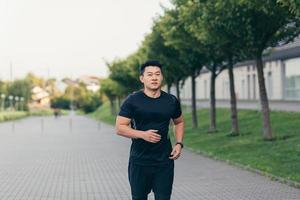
(280, 157)
(14, 115)
(103, 114)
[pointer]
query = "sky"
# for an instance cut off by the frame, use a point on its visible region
(70, 38)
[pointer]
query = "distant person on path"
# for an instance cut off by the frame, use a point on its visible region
(145, 117)
(56, 112)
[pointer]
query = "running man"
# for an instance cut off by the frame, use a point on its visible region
(145, 117)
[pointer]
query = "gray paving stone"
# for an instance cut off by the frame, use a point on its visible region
(43, 158)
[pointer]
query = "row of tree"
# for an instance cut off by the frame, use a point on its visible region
(197, 35)
(77, 96)
(22, 88)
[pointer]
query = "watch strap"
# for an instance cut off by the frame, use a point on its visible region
(180, 143)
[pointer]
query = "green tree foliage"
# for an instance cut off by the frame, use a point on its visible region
(191, 50)
(3, 87)
(252, 26)
(154, 47)
(267, 24)
(51, 88)
(20, 88)
(80, 97)
(293, 5)
(35, 80)
(216, 23)
(61, 102)
(91, 103)
(126, 73)
(111, 89)
(214, 34)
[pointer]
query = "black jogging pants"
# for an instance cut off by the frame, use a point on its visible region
(158, 178)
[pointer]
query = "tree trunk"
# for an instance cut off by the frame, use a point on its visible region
(194, 107)
(169, 88)
(212, 111)
(119, 102)
(267, 131)
(234, 114)
(112, 107)
(178, 90)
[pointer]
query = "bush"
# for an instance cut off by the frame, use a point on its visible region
(61, 102)
(92, 104)
(87, 102)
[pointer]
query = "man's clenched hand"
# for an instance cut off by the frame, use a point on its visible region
(151, 136)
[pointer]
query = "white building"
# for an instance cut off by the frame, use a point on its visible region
(39, 98)
(281, 71)
(91, 82)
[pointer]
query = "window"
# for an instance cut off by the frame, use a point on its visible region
(243, 89)
(254, 86)
(205, 89)
(248, 87)
(292, 79)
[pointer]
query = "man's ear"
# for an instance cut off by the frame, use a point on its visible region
(142, 78)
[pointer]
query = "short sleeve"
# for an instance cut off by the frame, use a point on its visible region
(177, 111)
(126, 108)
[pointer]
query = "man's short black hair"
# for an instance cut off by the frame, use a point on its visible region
(150, 63)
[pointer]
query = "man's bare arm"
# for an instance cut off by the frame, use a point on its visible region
(123, 129)
(179, 132)
(179, 128)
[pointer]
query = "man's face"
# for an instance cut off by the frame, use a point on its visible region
(152, 77)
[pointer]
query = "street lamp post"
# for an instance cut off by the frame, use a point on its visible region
(22, 103)
(2, 102)
(10, 102)
(17, 103)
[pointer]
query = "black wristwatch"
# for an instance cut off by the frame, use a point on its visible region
(180, 143)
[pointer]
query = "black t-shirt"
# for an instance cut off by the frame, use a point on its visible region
(151, 113)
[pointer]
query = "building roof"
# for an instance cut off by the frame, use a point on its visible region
(283, 52)
(39, 93)
(88, 80)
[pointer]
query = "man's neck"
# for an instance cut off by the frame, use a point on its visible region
(152, 93)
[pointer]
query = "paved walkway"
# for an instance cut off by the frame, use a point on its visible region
(76, 158)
